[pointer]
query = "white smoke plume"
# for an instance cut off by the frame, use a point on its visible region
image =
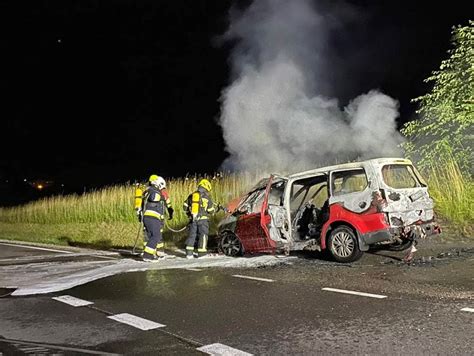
(273, 115)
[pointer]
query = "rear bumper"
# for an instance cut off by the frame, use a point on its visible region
(417, 231)
(413, 232)
(370, 238)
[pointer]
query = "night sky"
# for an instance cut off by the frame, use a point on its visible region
(102, 92)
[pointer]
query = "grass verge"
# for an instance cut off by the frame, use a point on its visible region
(105, 218)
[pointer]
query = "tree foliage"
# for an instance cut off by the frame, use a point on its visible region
(444, 128)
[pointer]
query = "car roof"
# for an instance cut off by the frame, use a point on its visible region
(349, 165)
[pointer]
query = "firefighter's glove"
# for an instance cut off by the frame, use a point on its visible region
(170, 213)
(139, 215)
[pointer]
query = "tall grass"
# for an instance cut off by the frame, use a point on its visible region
(453, 194)
(115, 204)
(110, 204)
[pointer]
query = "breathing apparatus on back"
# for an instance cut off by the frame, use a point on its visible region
(139, 190)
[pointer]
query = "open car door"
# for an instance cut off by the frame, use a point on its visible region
(253, 228)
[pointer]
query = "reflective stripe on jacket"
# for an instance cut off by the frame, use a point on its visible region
(154, 203)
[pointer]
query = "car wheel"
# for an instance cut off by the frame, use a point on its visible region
(343, 245)
(230, 245)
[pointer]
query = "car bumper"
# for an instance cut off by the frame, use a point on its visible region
(417, 231)
(374, 237)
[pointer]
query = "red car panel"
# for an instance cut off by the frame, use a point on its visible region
(363, 222)
(252, 229)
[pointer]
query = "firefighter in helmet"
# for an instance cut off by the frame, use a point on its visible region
(199, 206)
(155, 201)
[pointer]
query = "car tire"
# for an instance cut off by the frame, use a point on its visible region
(343, 245)
(230, 245)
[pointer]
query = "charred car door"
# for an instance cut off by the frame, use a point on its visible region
(254, 227)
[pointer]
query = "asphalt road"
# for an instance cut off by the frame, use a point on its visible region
(299, 307)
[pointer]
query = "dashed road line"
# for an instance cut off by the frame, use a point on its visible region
(35, 248)
(471, 310)
(222, 350)
(254, 278)
(75, 302)
(35, 349)
(135, 321)
(194, 269)
(355, 293)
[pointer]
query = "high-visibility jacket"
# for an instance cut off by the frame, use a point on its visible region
(155, 201)
(199, 204)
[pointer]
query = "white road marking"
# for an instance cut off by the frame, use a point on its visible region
(222, 350)
(35, 349)
(136, 321)
(75, 302)
(194, 269)
(471, 310)
(35, 248)
(355, 293)
(254, 278)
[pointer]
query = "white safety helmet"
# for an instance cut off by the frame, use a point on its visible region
(159, 182)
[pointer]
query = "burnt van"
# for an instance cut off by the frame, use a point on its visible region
(344, 209)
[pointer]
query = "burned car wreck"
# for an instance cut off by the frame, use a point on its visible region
(343, 209)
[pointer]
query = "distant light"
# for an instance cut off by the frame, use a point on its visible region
(59, 40)
(40, 186)
(24, 180)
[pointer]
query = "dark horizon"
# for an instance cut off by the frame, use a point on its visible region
(100, 93)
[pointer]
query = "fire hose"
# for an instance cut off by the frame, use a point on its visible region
(173, 230)
(140, 228)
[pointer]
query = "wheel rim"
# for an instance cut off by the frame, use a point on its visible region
(343, 244)
(230, 245)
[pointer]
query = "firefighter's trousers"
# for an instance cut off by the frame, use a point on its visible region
(198, 236)
(154, 229)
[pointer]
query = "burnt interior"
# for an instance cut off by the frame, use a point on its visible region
(309, 206)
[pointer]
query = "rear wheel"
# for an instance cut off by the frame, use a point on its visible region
(230, 245)
(343, 246)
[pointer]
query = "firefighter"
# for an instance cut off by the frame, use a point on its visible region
(198, 207)
(155, 200)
